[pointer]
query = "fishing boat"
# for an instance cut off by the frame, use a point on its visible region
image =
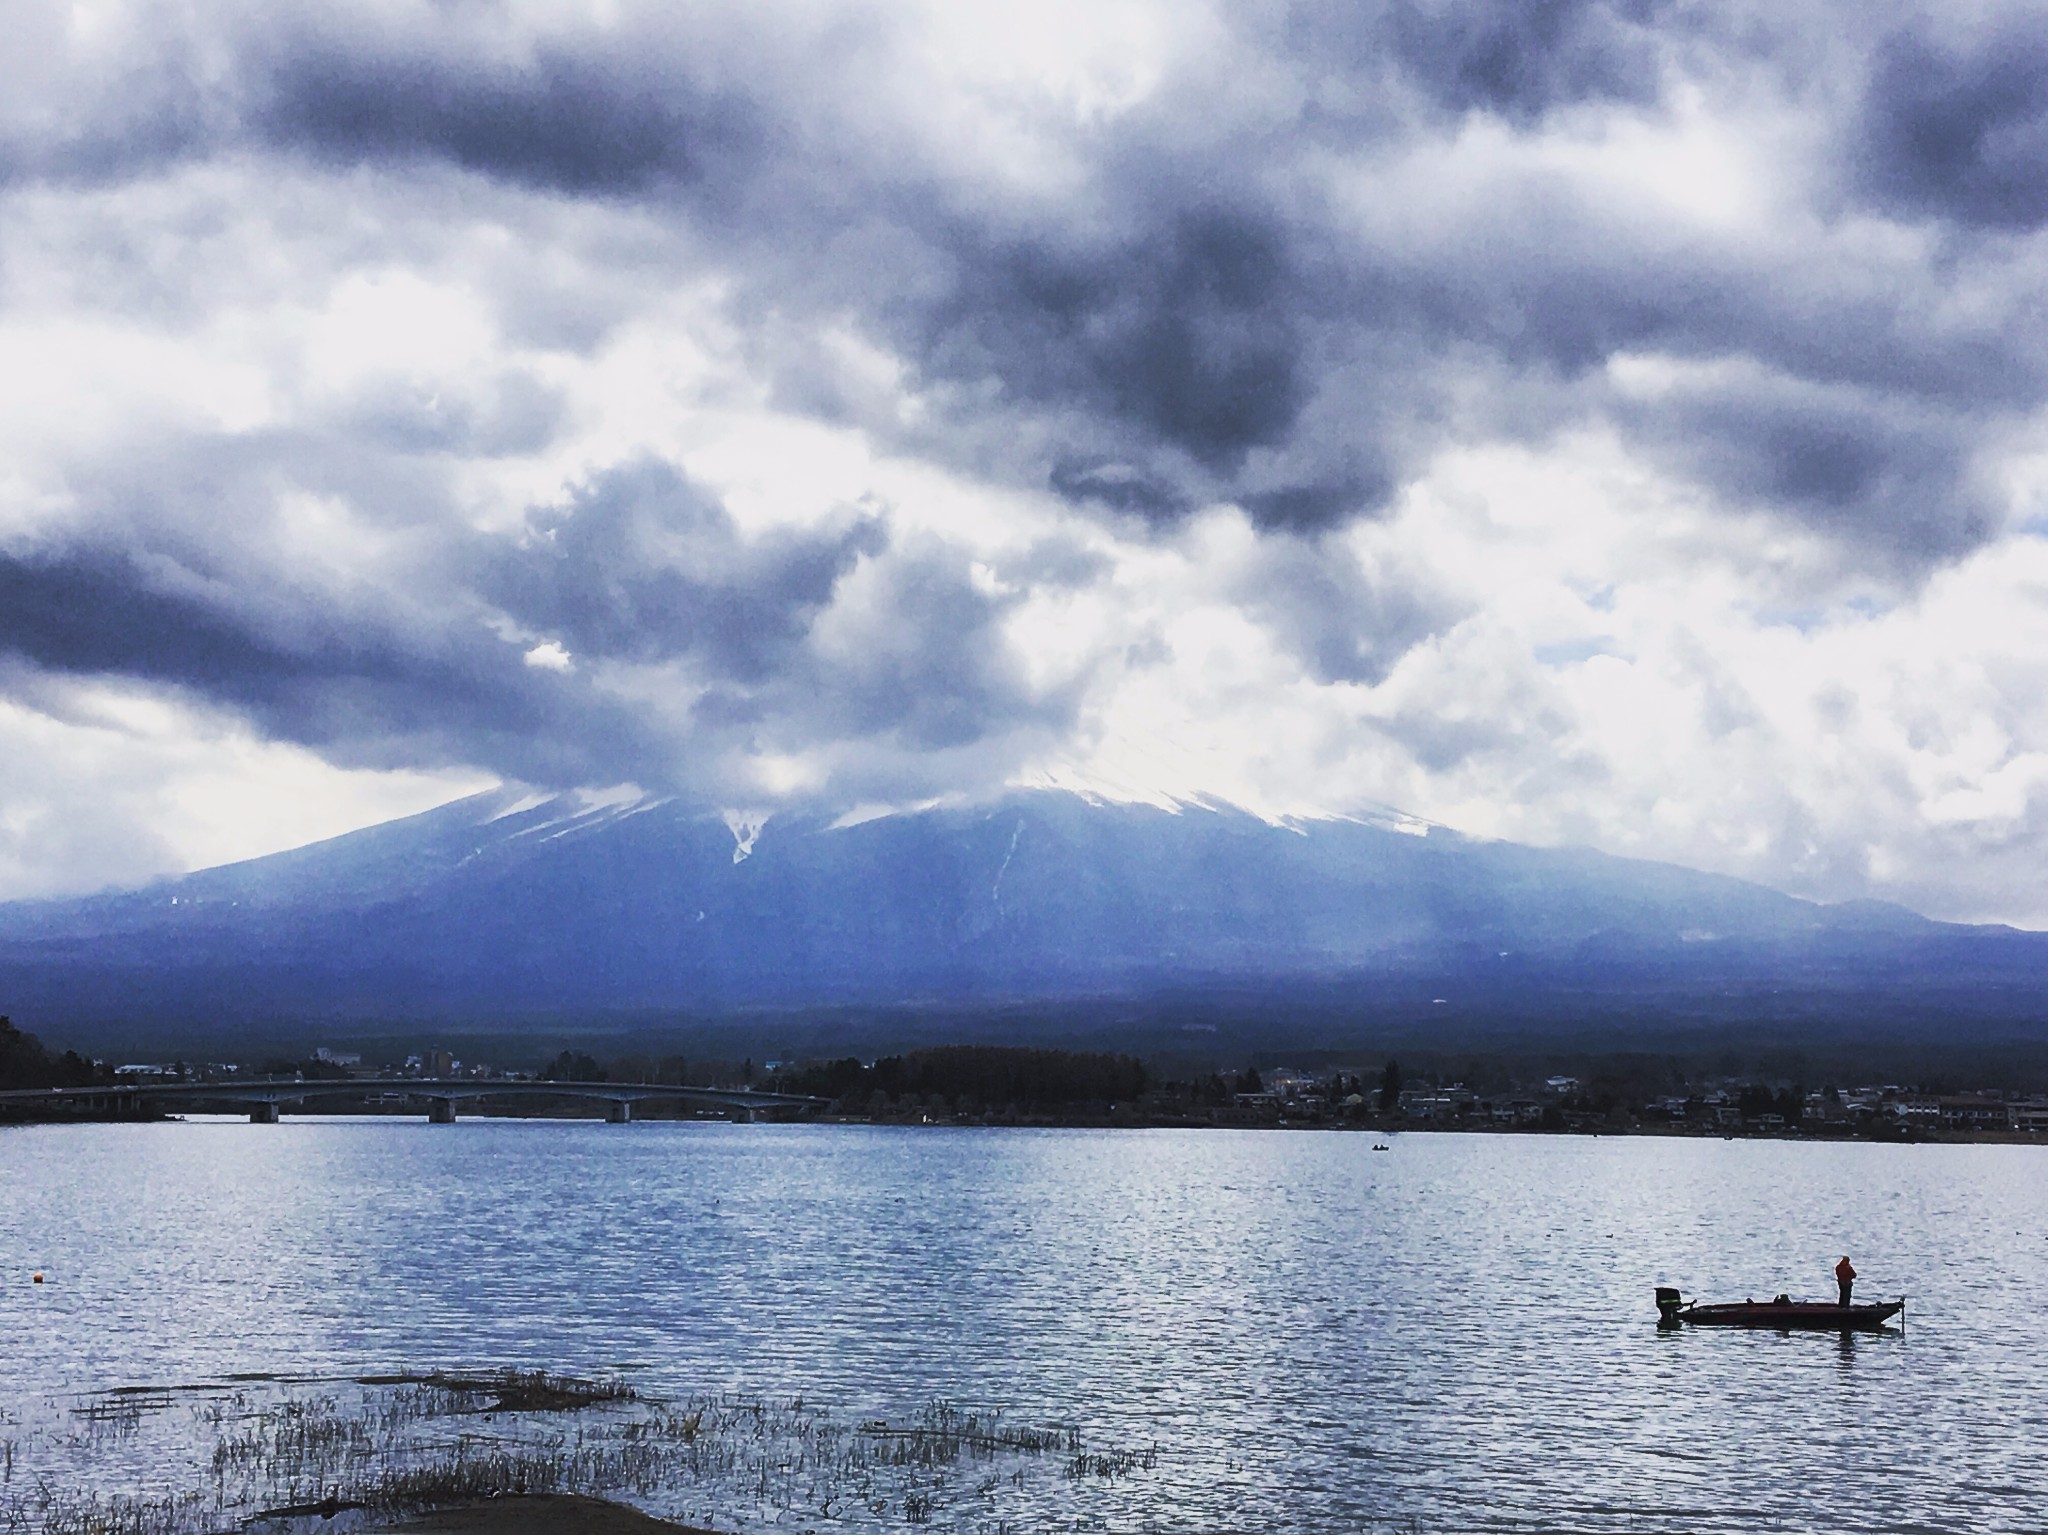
(1781, 1312)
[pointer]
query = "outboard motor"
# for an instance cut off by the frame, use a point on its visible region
(1668, 1302)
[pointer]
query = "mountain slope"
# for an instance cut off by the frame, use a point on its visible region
(501, 905)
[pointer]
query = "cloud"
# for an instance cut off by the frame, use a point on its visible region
(1888, 476)
(642, 566)
(1196, 316)
(1955, 127)
(1519, 61)
(562, 121)
(108, 783)
(352, 682)
(1349, 618)
(630, 632)
(1581, 421)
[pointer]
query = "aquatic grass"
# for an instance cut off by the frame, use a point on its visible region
(391, 1445)
(122, 1408)
(49, 1513)
(298, 1438)
(444, 1393)
(1109, 1464)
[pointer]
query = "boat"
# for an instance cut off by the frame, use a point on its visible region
(1781, 1312)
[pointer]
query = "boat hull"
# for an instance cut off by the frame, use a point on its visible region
(1802, 1316)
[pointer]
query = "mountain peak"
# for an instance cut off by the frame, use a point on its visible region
(512, 901)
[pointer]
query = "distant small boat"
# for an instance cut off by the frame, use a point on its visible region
(1382, 1146)
(1782, 1313)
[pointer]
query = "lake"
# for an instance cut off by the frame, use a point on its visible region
(1456, 1334)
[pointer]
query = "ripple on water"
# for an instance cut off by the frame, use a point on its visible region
(1457, 1334)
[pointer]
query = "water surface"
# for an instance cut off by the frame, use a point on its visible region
(1455, 1334)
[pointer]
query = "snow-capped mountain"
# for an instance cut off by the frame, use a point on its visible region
(510, 903)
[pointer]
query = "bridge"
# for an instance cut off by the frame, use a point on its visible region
(265, 1099)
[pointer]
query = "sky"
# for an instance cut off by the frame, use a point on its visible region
(1602, 424)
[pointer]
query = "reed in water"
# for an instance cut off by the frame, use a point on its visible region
(376, 1449)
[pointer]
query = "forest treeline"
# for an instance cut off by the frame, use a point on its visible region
(25, 1063)
(971, 1078)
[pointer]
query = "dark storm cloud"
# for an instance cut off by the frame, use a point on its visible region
(567, 123)
(1187, 332)
(174, 571)
(1311, 504)
(639, 568)
(1879, 472)
(933, 671)
(643, 566)
(1204, 319)
(1225, 332)
(1200, 349)
(1347, 622)
(1117, 488)
(1517, 58)
(324, 678)
(90, 611)
(1956, 127)
(1185, 349)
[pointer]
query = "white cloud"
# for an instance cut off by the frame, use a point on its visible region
(550, 656)
(108, 785)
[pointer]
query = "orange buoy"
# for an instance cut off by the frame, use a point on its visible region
(39, 1279)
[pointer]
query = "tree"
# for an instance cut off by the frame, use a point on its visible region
(990, 1076)
(25, 1063)
(1791, 1104)
(1390, 1087)
(573, 1066)
(1755, 1101)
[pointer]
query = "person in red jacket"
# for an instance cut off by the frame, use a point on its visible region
(1845, 1277)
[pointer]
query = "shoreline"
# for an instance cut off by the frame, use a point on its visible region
(1905, 1137)
(1890, 1136)
(535, 1513)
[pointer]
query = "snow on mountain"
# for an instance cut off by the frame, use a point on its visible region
(512, 903)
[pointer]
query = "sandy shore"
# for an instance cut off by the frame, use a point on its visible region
(561, 1514)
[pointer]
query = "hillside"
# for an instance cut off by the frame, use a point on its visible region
(504, 905)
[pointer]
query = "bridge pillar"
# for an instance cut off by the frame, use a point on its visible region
(619, 1112)
(262, 1113)
(440, 1111)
